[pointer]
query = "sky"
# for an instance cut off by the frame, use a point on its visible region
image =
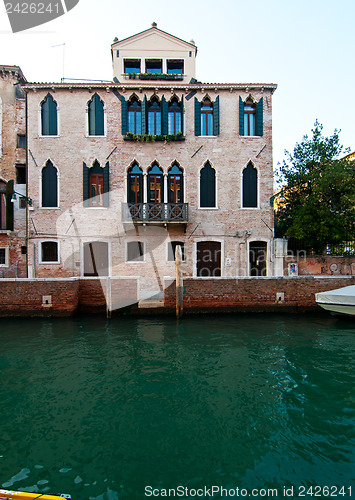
(306, 47)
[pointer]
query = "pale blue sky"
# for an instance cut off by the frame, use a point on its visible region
(306, 47)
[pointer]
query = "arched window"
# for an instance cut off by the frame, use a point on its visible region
(154, 117)
(96, 183)
(250, 187)
(175, 184)
(96, 116)
(134, 116)
(207, 187)
(174, 116)
(251, 117)
(155, 184)
(206, 117)
(49, 185)
(135, 184)
(49, 116)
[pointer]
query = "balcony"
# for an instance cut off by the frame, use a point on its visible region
(155, 212)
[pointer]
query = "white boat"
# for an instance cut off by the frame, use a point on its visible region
(341, 300)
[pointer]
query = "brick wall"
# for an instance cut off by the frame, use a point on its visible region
(323, 265)
(254, 294)
(25, 297)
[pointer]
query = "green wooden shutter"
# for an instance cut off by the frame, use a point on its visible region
(250, 187)
(207, 187)
(164, 116)
(241, 116)
(124, 116)
(259, 117)
(106, 183)
(49, 117)
(49, 186)
(86, 186)
(216, 116)
(197, 117)
(53, 126)
(9, 206)
(182, 114)
(45, 118)
(144, 115)
(96, 116)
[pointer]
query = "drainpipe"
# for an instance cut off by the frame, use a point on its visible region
(27, 206)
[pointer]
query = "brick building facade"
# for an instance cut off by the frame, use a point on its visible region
(12, 172)
(121, 172)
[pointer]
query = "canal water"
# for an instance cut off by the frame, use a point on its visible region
(121, 409)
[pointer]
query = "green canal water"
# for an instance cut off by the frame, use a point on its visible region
(102, 410)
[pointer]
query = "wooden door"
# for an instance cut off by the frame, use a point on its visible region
(209, 258)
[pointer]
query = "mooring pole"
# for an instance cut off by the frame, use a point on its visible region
(108, 298)
(179, 282)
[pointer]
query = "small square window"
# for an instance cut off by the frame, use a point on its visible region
(135, 251)
(172, 247)
(4, 257)
(22, 203)
(21, 141)
(132, 66)
(23, 250)
(20, 174)
(49, 251)
(175, 66)
(154, 66)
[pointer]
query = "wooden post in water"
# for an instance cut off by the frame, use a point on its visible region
(179, 282)
(108, 298)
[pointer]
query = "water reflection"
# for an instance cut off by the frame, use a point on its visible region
(102, 409)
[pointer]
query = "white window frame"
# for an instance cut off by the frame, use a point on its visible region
(7, 256)
(46, 262)
(144, 252)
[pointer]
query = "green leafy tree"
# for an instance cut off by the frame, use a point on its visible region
(319, 192)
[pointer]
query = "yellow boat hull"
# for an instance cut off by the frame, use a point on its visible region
(24, 495)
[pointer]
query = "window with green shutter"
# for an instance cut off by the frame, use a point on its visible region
(49, 125)
(207, 186)
(96, 116)
(49, 186)
(207, 121)
(250, 187)
(250, 117)
(96, 185)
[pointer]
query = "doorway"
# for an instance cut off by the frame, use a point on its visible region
(257, 258)
(209, 258)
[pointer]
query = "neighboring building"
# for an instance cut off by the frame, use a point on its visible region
(12, 172)
(122, 172)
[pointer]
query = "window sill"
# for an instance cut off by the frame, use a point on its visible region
(5, 231)
(208, 208)
(47, 208)
(52, 136)
(49, 263)
(208, 136)
(94, 136)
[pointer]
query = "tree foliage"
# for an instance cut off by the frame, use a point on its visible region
(319, 192)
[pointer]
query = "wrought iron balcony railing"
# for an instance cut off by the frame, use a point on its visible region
(155, 212)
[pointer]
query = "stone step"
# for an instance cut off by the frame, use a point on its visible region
(150, 303)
